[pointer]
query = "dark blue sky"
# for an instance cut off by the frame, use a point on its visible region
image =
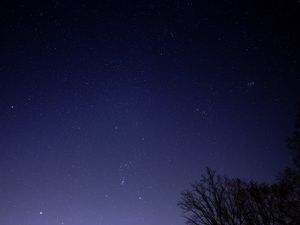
(108, 111)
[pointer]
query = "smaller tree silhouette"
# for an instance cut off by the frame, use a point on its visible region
(214, 200)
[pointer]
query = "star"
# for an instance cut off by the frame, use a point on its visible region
(250, 83)
(122, 181)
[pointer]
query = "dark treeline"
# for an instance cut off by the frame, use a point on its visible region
(219, 200)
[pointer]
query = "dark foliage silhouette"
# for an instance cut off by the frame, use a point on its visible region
(294, 141)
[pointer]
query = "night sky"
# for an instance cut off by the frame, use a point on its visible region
(109, 110)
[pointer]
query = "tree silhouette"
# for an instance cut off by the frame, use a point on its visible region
(214, 200)
(219, 200)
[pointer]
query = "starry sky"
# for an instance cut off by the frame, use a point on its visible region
(109, 110)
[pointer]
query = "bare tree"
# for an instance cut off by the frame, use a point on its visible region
(217, 200)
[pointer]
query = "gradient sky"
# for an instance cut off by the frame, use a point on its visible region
(108, 111)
